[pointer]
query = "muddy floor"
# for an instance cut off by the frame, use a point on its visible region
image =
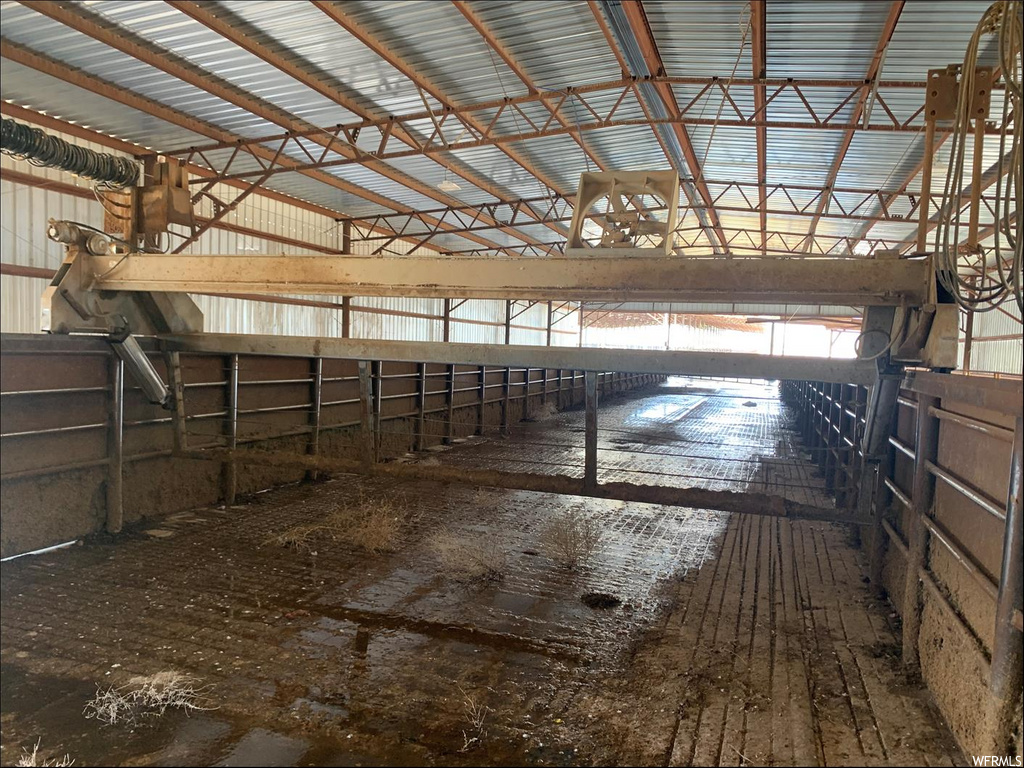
(685, 637)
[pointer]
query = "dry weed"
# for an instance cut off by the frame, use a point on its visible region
(476, 718)
(32, 759)
(373, 523)
(465, 559)
(572, 538)
(147, 697)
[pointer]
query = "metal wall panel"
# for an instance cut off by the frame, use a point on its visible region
(991, 351)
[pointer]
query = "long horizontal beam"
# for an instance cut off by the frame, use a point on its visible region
(631, 276)
(781, 199)
(504, 122)
(689, 240)
(761, 504)
(734, 365)
(555, 99)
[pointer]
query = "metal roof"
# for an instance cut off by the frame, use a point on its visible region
(371, 59)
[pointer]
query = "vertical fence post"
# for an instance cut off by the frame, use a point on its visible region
(526, 394)
(421, 406)
(115, 447)
(449, 404)
(366, 413)
(873, 485)
(229, 469)
(842, 455)
(925, 451)
(879, 418)
(822, 420)
(377, 387)
(590, 442)
(316, 396)
(1006, 672)
(178, 394)
(481, 410)
(505, 399)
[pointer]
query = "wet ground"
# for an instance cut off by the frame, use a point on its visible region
(724, 641)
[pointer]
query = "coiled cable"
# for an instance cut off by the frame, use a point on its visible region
(42, 149)
(1001, 265)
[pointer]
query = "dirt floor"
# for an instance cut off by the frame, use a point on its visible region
(687, 637)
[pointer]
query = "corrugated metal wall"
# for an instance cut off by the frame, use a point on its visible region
(997, 344)
(26, 209)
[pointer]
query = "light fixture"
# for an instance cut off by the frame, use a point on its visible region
(447, 185)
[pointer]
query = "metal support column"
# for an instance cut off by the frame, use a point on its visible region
(508, 321)
(115, 447)
(346, 237)
(526, 394)
(481, 410)
(1006, 678)
(366, 413)
(316, 397)
(346, 317)
(446, 321)
(177, 387)
(924, 492)
(229, 469)
(875, 498)
(421, 406)
(376, 383)
(505, 400)
(551, 311)
(449, 404)
(590, 446)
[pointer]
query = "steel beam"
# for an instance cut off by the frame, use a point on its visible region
(632, 277)
(477, 124)
(115, 447)
(315, 414)
(696, 498)
(895, 9)
(660, 362)
(759, 65)
(229, 472)
(590, 443)
(223, 23)
(367, 441)
(122, 39)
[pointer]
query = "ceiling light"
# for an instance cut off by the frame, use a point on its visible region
(447, 185)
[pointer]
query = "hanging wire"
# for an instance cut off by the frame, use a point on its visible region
(991, 288)
(745, 31)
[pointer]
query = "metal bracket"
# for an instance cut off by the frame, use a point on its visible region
(71, 305)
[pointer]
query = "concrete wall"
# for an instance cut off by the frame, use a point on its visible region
(55, 399)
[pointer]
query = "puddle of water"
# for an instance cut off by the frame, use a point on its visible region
(261, 747)
(668, 409)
